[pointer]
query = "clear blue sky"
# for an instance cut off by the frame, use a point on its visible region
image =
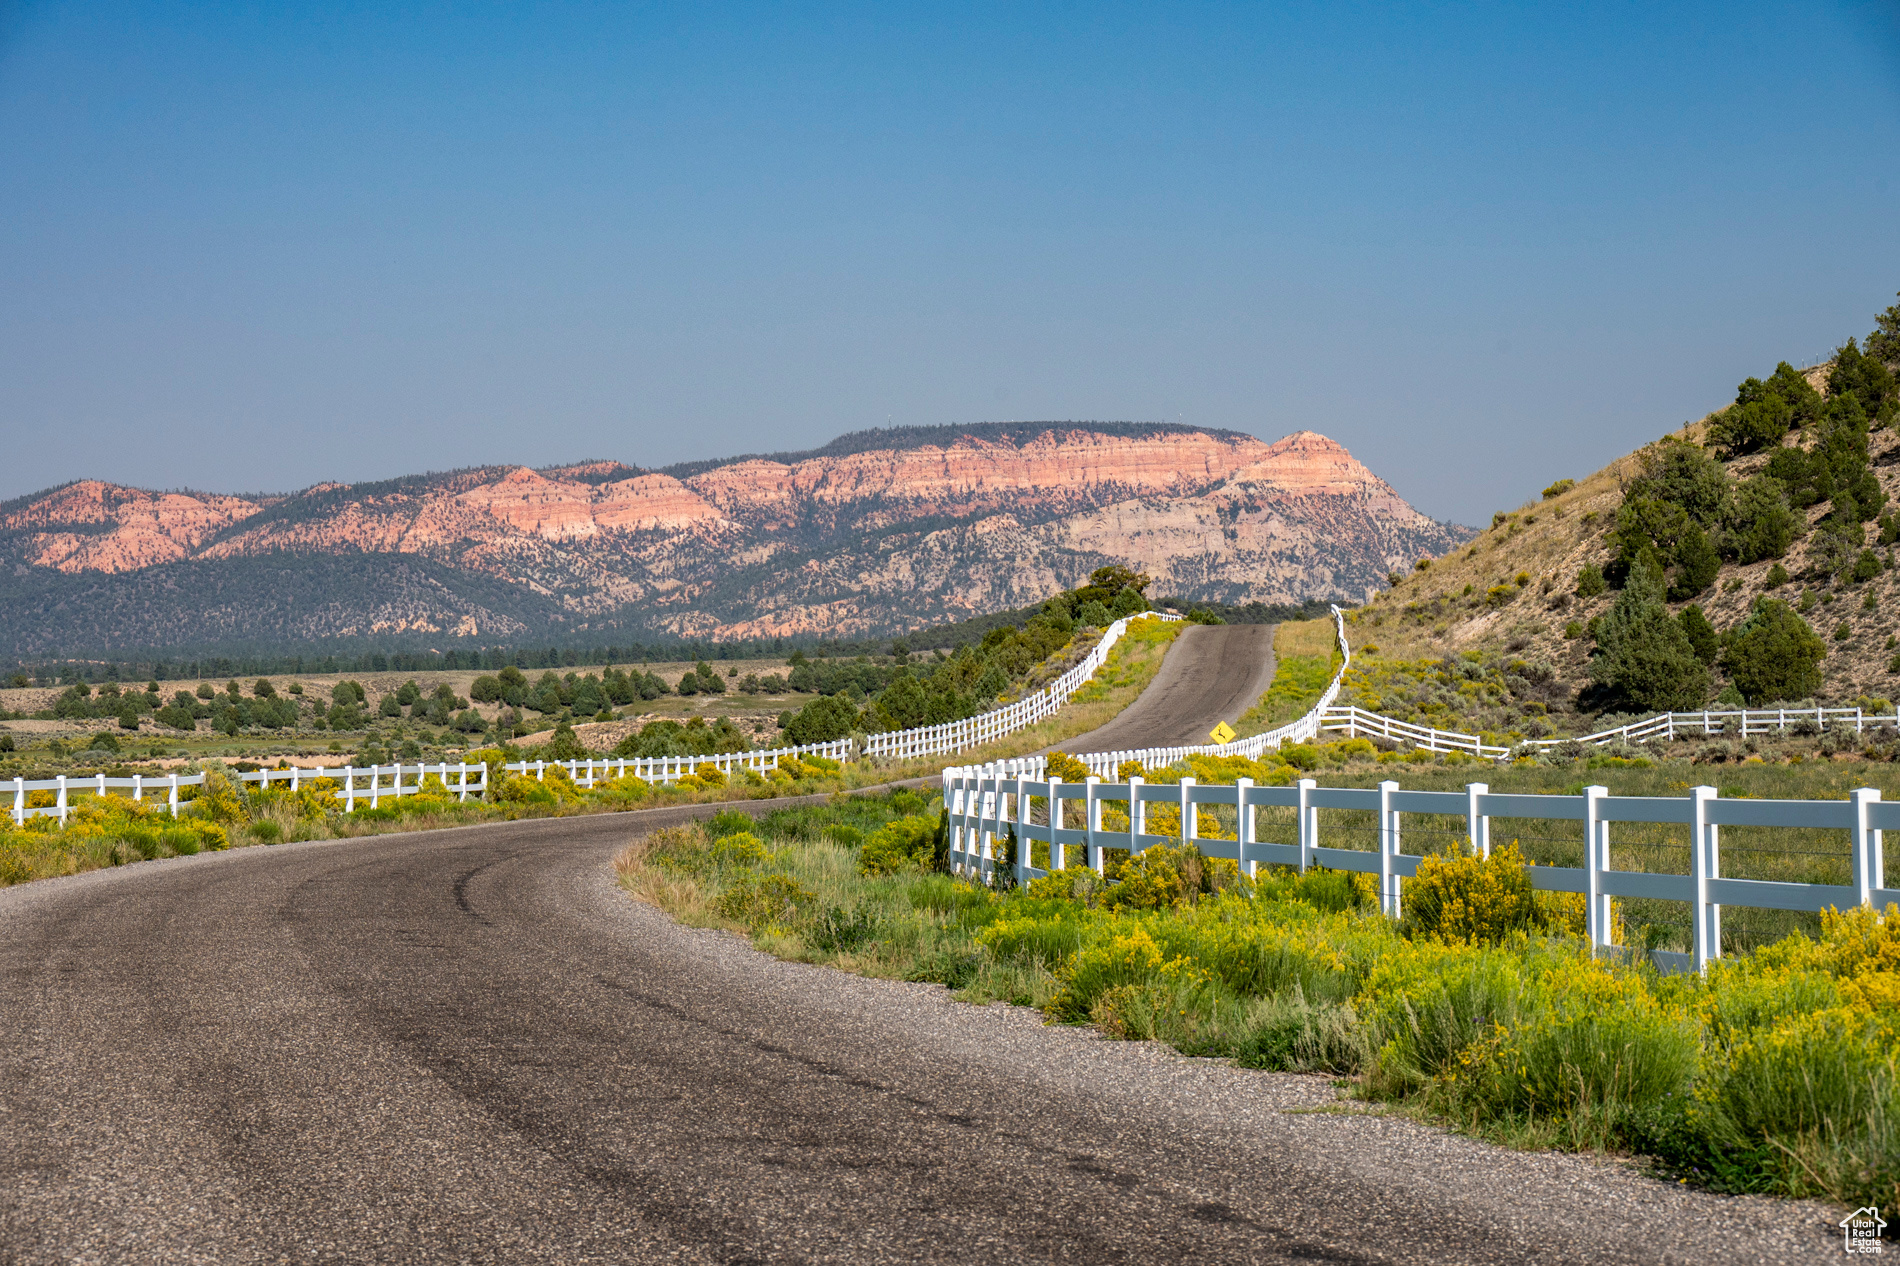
(250, 247)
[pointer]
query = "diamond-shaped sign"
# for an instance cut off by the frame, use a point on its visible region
(1222, 733)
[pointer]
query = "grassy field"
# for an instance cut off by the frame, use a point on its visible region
(1483, 1010)
(112, 830)
(757, 714)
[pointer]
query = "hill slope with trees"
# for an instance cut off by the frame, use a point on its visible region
(1748, 557)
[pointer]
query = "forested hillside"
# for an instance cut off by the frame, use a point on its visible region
(1748, 557)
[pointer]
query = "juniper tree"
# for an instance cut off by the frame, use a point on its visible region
(1643, 657)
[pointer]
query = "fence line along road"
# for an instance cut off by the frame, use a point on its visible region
(1666, 725)
(1329, 716)
(353, 783)
(929, 740)
(988, 806)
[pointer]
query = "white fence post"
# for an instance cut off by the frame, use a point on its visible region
(1309, 824)
(1092, 817)
(349, 789)
(1596, 851)
(1708, 923)
(1388, 851)
(1477, 825)
(19, 801)
(1055, 818)
(1243, 825)
(62, 800)
(1867, 859)
(172, 800)
(1137, 820)
(1190, 827)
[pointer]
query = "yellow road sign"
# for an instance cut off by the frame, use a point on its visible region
(1222, 733)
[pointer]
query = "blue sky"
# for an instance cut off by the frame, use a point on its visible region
(250, 247)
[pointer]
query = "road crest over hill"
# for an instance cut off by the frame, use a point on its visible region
(1212, 673)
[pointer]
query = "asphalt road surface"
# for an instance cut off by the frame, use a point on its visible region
(1212, 673)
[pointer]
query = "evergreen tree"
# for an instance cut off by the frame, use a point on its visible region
(1700, 632)
(1884, 343)
(1697, 564)
(1761, 525)
(1645, 659)
(1774, 654)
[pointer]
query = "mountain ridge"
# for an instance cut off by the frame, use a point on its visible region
(877, 532)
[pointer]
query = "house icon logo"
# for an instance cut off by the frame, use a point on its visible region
(1862, 1228)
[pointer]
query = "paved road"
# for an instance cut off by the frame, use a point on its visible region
(1212, 673)
(469, 1046)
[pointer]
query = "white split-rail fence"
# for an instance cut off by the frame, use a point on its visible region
(990, 803)
(370, 785)
(927, 740)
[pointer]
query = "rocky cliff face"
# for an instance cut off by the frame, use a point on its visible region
(875, 532)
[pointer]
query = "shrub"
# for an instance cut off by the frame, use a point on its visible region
(1763, 412)
(840, 931)
(906, 844)
(1700, 632)
(1774, 654)
(1602, 1048)
(1777, 577)
(822, 720)
(1761, 524)
(1462, 898)
(1073, 883)
(740, 850)
(1066, 767)
(1559, 488)
(1697, 564)
(1590, 582)
(765, 901)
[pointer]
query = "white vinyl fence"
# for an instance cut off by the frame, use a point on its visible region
(927, 740)
(375, 782)
(370, 784)
(987, 806)
(1666, 725)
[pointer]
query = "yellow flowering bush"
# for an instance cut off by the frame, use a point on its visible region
(1461, 897)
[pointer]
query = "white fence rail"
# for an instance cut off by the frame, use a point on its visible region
(371, 783)
(670, 769)
(1667, 725)
(928, 740)
(464, 780)
(1105, 764)
(987, 807)
(934, 740)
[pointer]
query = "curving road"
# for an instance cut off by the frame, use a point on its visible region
(1212, 673)
(470, 1046)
